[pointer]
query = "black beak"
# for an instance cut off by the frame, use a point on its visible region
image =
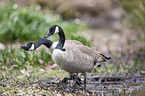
(24, 47)
(48, 34)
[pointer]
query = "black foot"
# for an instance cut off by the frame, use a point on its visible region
(73, 77)
(77, 80)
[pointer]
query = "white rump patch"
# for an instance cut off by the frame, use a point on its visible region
(56, 30)
(32, 47)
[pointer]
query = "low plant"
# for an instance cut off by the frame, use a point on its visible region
(18, 58)
(25, 24)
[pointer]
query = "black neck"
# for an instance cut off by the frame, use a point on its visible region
(61, 40)
(44, 41)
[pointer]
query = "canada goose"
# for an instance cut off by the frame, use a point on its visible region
(76, 58)
(29, 46)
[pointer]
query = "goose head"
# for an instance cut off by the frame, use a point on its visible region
(54, 29)
(28, 46)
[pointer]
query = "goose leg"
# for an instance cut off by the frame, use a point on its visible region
(67, 78)
(73, 77)
(77, 80)
(85, 82)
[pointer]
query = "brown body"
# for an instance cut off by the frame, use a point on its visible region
(76, 59)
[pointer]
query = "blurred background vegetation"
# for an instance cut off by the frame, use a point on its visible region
(114, 27)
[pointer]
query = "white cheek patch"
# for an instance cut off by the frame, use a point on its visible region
(56, 30)
(32, 47)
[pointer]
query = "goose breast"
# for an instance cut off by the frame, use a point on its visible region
(75, 59)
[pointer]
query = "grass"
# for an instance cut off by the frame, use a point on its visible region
(26, 81)
(13, 55)
(135, 10)
(21, 70)
(25, 24)
(134, 19)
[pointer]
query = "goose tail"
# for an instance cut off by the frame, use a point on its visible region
(105, 57)
(101, 60)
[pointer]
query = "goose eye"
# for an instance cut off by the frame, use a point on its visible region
(52, 29)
